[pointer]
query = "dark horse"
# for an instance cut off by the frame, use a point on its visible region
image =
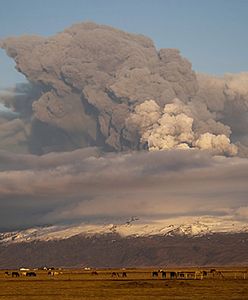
(31, 274)
(173, 275)
(154, 274)
(94, 273)
(15, 274)
(115, 274)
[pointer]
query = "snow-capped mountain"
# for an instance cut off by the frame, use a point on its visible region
(134, 227)
(135, 242)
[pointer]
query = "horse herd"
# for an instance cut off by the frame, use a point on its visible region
(29, 274)
(187, 274)
(174, 275)
(113, 274)
(154, 274)
(17, 274)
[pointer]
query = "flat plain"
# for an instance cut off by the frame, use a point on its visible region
(70, 284)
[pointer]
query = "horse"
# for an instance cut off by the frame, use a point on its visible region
(124, 274)
(216, 273)
(173, 275)
(115, 274)
(31, 274)
(94, 273)
(180, 275)
(51, 273)
(15, 274)
(155, 274)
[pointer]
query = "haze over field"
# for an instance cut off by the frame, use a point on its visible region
(108, 126)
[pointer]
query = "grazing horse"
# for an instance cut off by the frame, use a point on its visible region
(6, 274)
(155, 274)
(198, 275)
(124, 274)
(15, 274)
(180, 274)
(94, 273)
(115, 274)
(216, 273)
(31, 274)
(51, 273)
(173, 275)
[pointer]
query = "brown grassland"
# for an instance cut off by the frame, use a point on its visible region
(139, 284)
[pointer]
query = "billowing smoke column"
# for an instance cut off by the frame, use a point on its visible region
(174, 127)
(92, 77)
(92, 85)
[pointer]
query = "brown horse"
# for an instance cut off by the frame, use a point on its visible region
(216, 273)
(114, 274)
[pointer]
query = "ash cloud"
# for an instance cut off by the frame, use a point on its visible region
(175, 127)
(88, 81)
(91, 77)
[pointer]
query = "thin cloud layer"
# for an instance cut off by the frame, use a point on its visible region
(78, 186)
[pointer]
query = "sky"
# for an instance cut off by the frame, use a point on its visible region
(211, 34)
(80, 141)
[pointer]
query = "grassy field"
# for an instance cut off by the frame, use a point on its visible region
(139, 284)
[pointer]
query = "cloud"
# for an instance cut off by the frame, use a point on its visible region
(85, 185)
(13, 135)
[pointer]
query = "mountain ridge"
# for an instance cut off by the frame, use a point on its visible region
(133, 227)
(113, 251)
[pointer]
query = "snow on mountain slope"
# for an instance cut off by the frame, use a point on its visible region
(133, 227)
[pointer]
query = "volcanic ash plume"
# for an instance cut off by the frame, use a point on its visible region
(227, 99)
(173, 128)
(91, 77)
(91, 85)
(218, 144)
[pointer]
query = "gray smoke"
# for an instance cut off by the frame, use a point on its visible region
(227, 99)
(93, 85)
(91, 78)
